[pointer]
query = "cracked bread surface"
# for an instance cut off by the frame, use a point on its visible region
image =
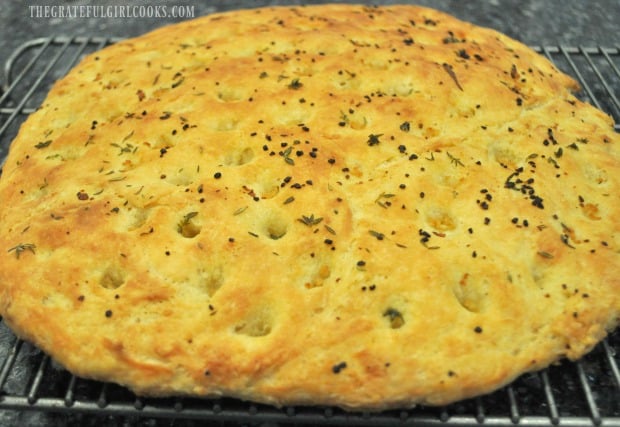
(365, 207)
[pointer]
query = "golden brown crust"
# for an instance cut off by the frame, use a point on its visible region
(363, 207)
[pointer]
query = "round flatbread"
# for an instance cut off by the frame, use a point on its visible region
(367, 207)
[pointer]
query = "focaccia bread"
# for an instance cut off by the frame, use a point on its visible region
(328, 205)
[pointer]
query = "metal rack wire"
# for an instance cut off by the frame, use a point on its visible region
(586, 392)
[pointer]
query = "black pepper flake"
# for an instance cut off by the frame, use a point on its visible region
(295, 84)
(513, 182)
(217, 175)
(361, 263)
(478, 330)
(426, 236)
(377, 235)
(537, 201)
(395, 317)
(451, 39)
(462, 53)
(373, 139)
(405, 126)
(108, 313)
(337, 368)
(514, 73)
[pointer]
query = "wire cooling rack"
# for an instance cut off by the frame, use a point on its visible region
(583, 393)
